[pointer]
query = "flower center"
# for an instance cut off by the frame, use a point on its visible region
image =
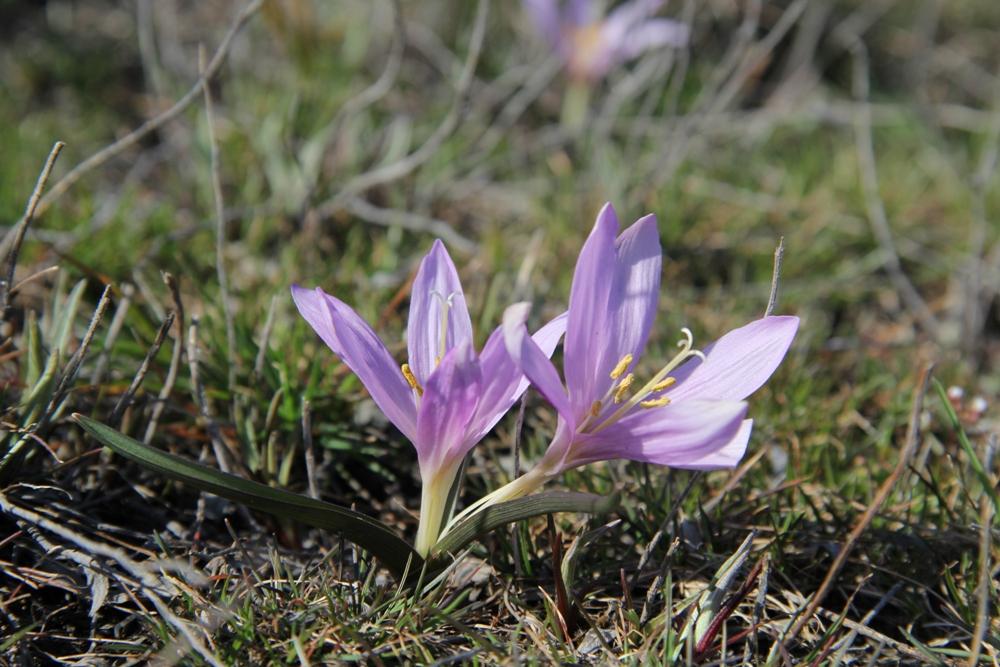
(650, 395)
(586, 44)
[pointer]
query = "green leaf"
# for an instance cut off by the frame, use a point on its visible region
(495, 516)
(364, 531)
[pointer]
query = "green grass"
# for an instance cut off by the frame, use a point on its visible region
(829, 426)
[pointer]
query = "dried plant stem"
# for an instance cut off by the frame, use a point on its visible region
(214, 434)
(73, 367)
(220, 230)
(307, 446)
(985, 583)
(909, 447)
(175, 358)
(772, 299)
(265, 338)
(126, 399)
(117, 321)
(406, 165)
(873, 201)
(139, 572)
(17, 234)
(134, 137)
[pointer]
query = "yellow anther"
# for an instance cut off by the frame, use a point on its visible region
(656, 402)
(595, 408)
(621, 367)
(666, 384)
(411, 379)
(623, 387)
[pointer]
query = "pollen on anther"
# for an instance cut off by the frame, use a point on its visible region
(656, 402)
(622, 366)
(595, 408)
(665, 384)
(411, 379)
(623, 387)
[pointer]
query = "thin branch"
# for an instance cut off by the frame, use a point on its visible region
(984, 584)
(220, 231)
(69, 374)
(135, 136)
(126, 399)
(406, 165)
(408, 220)
(117, 321)
(265, 338)
(877, 217)
(909, 447)
(22, 227)
(214, 433)
(772, 299)
(307, 446)
(175, 358)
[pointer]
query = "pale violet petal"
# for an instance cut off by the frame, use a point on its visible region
(449, 401)
(503, 381)
(532, 360)
(436, 301)
(363, 351)
(737, 364)
(681, 435)
(589, 325)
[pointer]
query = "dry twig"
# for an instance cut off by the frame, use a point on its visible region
(909, 447)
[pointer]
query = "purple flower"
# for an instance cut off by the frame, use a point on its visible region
(689, 414)
(446, 398)
(590, 44)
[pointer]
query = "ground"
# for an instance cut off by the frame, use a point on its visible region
(151, 293)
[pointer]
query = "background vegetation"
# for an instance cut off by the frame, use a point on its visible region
(343, 137)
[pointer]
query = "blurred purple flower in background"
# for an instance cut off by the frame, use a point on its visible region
(447, 398)
(591, 44)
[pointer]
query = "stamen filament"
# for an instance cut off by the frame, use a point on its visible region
(658, 382)
(446, 303)
(595, 408)
(411, 379)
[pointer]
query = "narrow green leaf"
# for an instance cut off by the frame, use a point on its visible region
(364, 531)
(33, 346)
(495, 516)
(63, 315)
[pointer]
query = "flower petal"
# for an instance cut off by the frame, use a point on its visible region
(450, 398)
(589, 324)
(545, 15)
(634, 293)
(532, 360)
(682, 435)
(363, 351)
(649, 35)
(503, 381)
(434, 288)
(737, 364)
(312, 306)
(729, 454)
